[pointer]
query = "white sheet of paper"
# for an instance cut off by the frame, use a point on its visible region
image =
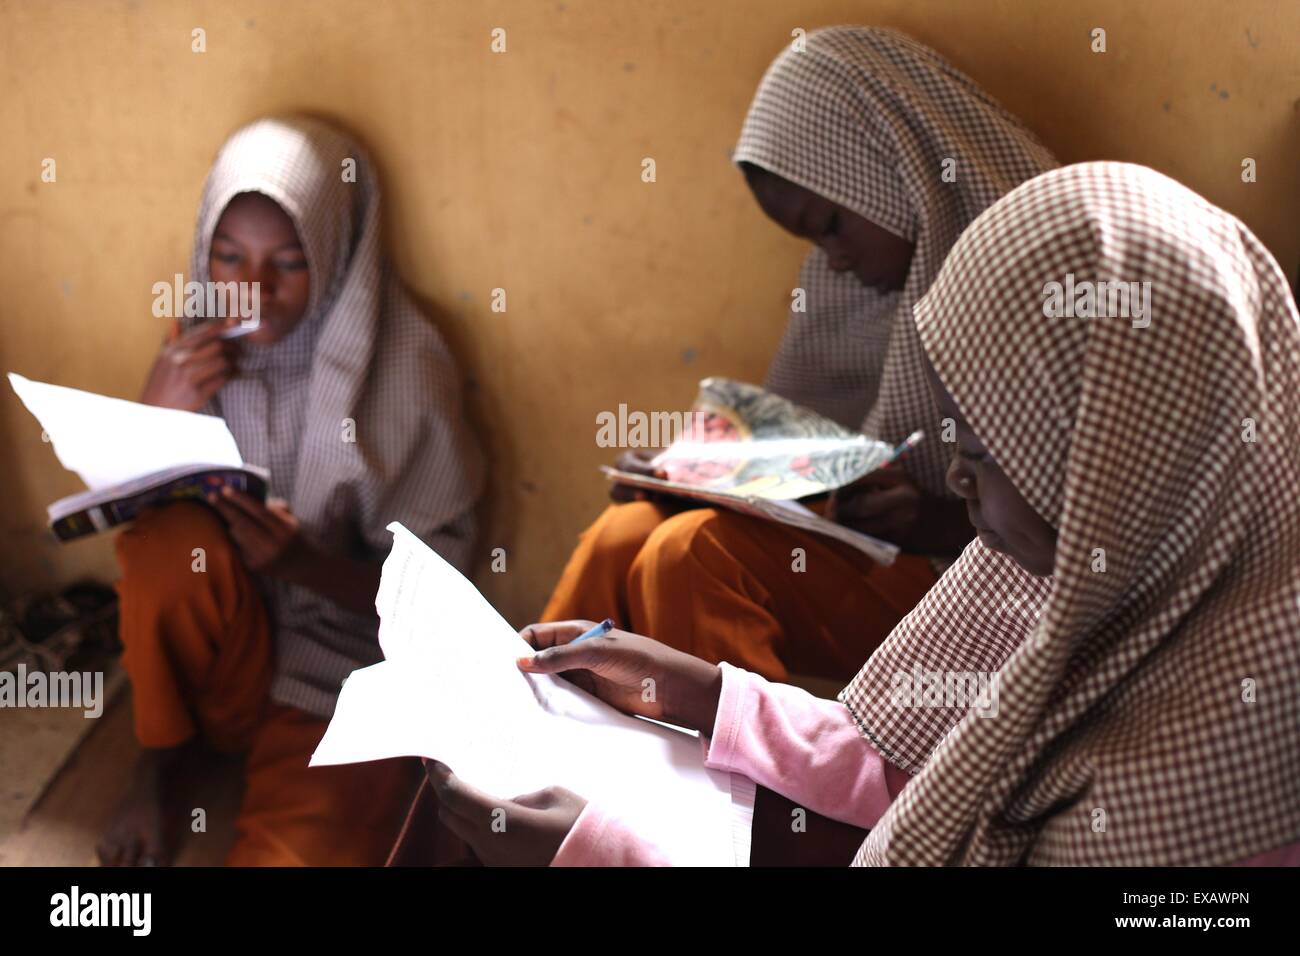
(449, 689)
(108, 441)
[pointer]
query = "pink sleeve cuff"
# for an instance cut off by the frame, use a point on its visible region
(803, 747)
(720, 746)
(600, 839)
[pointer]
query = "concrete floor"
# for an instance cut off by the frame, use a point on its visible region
(66, 822)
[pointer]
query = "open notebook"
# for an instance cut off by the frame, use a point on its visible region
(449, 689)
(132, 456)
(749, 450)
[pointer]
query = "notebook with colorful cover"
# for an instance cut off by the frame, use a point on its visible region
(131, 456)
(748, 450)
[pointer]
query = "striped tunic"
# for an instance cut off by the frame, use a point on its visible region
(356, 413)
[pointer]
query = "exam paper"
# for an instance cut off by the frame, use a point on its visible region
(449, 689)
(108, 441)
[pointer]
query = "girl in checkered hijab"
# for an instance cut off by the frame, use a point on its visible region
(1136, 582)
(892, 152)
(1130, 612)
(349, 397)
(879, 152)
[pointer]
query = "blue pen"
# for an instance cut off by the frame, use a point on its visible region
(908, 443)
(604, 627)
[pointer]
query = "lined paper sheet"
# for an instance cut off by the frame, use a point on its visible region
(449, 689)
(108, 441)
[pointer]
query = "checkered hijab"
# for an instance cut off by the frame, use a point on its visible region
(357, 412)
(1149, 707)
(872, 120)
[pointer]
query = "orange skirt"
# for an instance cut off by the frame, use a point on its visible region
(198, 650)
(726, 587)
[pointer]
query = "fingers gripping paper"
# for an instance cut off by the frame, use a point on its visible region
(449, 689)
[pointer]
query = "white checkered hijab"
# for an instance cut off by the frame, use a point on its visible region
(873, 121)
(363, 364)
(1148, 698)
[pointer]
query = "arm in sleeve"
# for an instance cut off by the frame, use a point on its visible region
(781, 737)
(803, 747)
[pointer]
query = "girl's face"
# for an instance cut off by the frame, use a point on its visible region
(875, 255)
(1003, 519)
(255, 241)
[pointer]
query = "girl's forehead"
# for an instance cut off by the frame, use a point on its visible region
(253, 205)
(254, 213)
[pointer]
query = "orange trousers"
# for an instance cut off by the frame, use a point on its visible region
(727, 587)
(199, 654)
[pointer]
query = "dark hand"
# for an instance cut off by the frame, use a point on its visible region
(629, 672)
(191, 369)
(267, 535)
(525, 831)
(884, 503)
(636, 462)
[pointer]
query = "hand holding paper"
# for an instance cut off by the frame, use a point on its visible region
(633, 674)
(132, 456)
(537, 822)
(450, 689)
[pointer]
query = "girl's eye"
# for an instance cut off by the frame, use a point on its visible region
(296, 265)
(832, 224)
(975, 456)
(229, 258)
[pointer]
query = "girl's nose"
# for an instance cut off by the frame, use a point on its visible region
(265, 278)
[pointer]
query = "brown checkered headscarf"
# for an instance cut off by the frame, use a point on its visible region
(363, 354)
(1147, 713)
(871, 120)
